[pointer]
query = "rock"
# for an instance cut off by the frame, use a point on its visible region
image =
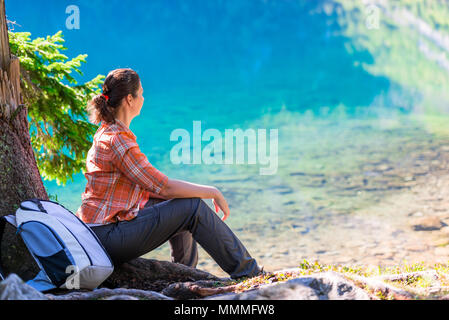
(445, 230)
(415, 247)
(383, 167)
(111, 294)
(121, 297)
(324, 286)
(291, 290)
(442, 251)
(415, 214)
(14, 288)
(427, 224)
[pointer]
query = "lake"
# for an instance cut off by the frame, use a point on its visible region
(357, 93)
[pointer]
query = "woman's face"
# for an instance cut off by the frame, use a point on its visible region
(136, 103)
(139, 99)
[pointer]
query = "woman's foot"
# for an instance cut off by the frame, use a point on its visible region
(259, 273)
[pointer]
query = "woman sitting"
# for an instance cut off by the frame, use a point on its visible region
(134, 208)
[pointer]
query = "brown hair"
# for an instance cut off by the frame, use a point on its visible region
(117, 85)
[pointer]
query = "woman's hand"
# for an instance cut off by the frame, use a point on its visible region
(220, 203)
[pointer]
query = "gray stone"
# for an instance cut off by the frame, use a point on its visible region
(281, 291)
(324, 286)
(333, 286)
(121, 297)
(13, 288)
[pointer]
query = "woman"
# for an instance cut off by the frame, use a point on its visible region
(134, 208)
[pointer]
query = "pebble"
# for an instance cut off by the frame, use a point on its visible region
(396, 232)
(121, 297)
(415, 247)
(442, 251)
(427, 224)
(445, 230)
(415, 214)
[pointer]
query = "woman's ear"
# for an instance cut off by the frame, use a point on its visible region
(129, 99)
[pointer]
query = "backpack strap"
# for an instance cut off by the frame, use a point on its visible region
(11, 219)
(39, 204)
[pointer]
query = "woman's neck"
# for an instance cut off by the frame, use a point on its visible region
(124, 117)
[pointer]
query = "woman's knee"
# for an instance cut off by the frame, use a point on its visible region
(188, 204)
(197, 203)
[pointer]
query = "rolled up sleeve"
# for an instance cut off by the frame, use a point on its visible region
(132, 163)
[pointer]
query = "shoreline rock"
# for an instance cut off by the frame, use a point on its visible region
(429, 223)
(323, 286)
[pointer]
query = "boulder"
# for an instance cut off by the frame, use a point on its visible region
(324, 286)
(121, 297)
(13, 288)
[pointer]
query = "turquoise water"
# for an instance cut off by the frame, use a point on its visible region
(339, 104)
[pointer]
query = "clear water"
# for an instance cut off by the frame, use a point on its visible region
(353, 120)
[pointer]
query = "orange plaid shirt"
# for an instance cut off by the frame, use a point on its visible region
(120, 179)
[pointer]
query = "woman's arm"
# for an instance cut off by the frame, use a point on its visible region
(183, 189)
(128, 158)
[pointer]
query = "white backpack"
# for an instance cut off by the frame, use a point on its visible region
(66, 250)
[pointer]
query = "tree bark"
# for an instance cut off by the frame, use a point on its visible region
(19, 175)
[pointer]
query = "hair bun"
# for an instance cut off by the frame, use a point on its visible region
(118, 84)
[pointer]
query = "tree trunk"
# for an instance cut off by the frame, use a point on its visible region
(19, 176)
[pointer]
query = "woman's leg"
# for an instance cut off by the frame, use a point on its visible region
(183, 248)
(157, 224)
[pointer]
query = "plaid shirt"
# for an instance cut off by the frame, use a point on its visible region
(120, 180)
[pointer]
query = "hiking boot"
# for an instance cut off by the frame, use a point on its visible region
(261, 272)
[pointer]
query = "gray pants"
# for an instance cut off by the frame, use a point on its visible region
(183, 222)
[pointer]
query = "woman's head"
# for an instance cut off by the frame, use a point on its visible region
(121, 89)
